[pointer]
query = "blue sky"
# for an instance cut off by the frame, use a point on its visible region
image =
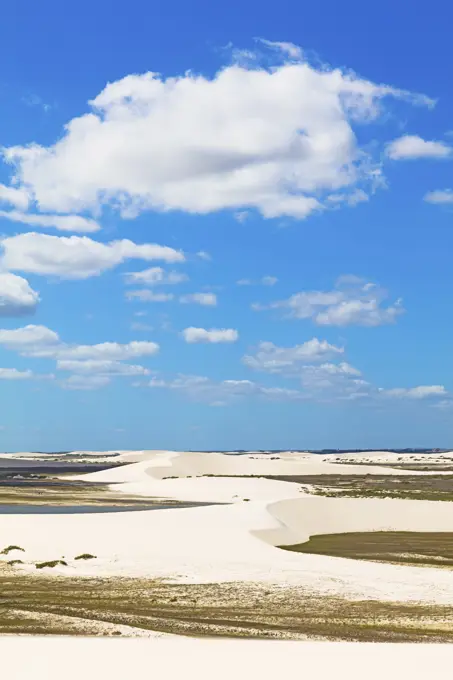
(225, 226)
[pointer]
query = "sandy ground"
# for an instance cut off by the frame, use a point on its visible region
(23, 658)
(224, 459)
(234, 539)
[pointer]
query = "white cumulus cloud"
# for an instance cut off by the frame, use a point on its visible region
(352, 302)
(40, 341)
(112, 351)
(440, 196)
(277, 139)
(274, 359)
(213, 335)
(75, 257)
(410, 147)
(17, 297)
(29, 338)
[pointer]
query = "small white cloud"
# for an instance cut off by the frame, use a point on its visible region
(155, 276)
(14, 374)
(205, 299)
(264, 281)
(28, 338)
(352, 302)
(241, 216)
(420, 392)
(40, 341)
(149, 296)
(104, 367)
(201, 388)
(111, 351)
(214, 335)
(203, 255)
(441, 196)
(269, 280)
(85, 382)
(35, 101)
(274, 359)
(17, 297)
(410, 147)
(60, 222)
(443, 404)
(138, 326)
(287, 48)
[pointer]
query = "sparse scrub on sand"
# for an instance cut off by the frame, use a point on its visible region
(10, 548)
(13, 563)
(51, 563)
(420, 488)
(36, 606)
(433, 549)
(85, 556)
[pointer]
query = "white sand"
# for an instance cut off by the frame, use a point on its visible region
(26, 658)
(161, 465)
(232, 542)
(238, 464)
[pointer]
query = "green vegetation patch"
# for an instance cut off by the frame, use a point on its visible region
(52, 563)
(85, 556)
(434, 549)
(10, 548)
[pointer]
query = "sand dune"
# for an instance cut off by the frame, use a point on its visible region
(235, 541)
(300, 518)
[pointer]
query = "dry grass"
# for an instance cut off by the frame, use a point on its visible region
(53, 605)
(413, 487)
(398, 547)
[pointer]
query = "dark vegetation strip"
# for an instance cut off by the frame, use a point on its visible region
(414, 487)
(402, 547)
(36, 604)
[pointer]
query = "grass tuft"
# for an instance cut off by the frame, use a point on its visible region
(52, 563)
(10, 548)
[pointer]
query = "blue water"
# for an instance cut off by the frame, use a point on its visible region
(85, 509)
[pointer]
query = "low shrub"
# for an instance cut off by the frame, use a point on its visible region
(52, 563)
(10, 548)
